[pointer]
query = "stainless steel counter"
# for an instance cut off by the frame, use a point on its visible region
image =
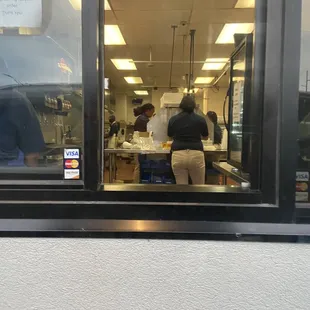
(231, 172)
(113, 152)
(132, 151)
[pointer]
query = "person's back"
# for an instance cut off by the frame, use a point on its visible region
(186, 130)
(19, 128)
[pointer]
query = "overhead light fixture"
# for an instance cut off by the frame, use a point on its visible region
(239, 66)
(113, 35)
(215, 63)
(227, 34)
(195, 90)
(124, 64)
(77, 5)
(245, 4)
(238, 79)
(107, 6)
(141, 92)
(204, 80)
(133, 80)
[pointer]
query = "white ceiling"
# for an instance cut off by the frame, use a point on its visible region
(146, 23)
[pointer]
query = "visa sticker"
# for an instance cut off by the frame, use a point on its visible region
(71, 153)
(302, 176)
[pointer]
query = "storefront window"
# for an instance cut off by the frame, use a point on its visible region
(158, 54)
(302, 175)
(40, 88)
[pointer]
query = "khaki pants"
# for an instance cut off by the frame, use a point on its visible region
(189, 163)
(136, 172)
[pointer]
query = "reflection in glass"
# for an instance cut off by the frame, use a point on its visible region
(40, 85)
(237, 97)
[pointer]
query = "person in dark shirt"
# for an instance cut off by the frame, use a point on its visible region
(20, 130)
(187, 129)
(143, 114)
(114, 126)
(218, 134)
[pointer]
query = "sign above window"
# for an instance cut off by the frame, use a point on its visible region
(20, 13)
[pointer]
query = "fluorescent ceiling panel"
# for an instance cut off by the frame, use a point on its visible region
(133, 80)
(141, 92)
(107, 6)
(195, 90)
(215, 63)
(227, 34)
(77, 4)
(124, 64)
(239, 66)
(245, 4)
(113, 35)
(204, 80)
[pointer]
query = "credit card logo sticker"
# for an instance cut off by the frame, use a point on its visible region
(72, 154)
(301, 187)
(302, 176)
(302, 197)
(71, 164)
(72, 174)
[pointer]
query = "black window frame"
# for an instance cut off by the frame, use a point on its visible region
(62, 206)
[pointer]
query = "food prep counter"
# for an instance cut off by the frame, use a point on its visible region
(111, 153)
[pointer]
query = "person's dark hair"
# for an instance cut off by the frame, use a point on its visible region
(112, 118)
(140, 110)
(188, 104)
(212, 116)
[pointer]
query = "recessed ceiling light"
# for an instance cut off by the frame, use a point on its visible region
(245, 4)
(239, 66)
(195, 90)
(124, 64)
(133, 80)
(77, 5)
(107, 6)
(204, 80)
(227, 34)
(141, 92)
(113, 35)
(215, 63)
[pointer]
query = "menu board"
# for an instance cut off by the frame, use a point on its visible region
(20, 13)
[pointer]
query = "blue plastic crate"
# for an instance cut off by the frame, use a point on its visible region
(157, 180)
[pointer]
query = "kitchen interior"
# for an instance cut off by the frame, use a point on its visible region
(157, 52)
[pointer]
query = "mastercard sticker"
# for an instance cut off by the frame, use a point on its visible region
(301, 187)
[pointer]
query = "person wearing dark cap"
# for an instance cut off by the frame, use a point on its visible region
(187, 129)
(20, 132)
(218, 134)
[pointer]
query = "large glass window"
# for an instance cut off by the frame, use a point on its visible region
(303, 173)
(159, 54)
(40, 88)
